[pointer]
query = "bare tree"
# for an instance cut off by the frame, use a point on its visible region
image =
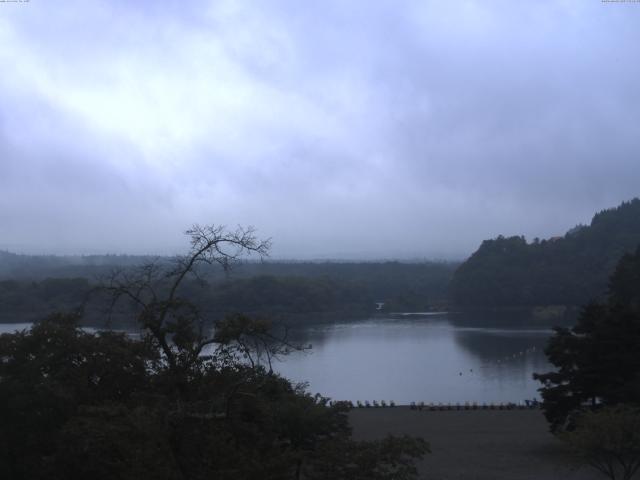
(252, 340)
(153, 289)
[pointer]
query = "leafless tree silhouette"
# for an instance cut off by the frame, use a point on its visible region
(153, 289)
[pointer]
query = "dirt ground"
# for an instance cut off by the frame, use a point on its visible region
(477, 444)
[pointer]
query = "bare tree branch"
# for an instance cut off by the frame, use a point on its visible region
(153, 288)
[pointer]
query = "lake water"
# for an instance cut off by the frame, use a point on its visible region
(432, 359)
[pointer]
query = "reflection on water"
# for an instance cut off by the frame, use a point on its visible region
(431, 360)
(435, 359)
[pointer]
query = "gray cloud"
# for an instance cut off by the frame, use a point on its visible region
(352, 129)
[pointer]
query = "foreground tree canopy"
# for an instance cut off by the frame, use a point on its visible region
(609, 440)
(175, 403)
(598, 360)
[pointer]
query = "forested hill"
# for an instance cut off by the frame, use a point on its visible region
(33, 286)
(569, 270)
(37, 267)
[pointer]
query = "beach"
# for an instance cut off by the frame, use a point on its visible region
(477, 444)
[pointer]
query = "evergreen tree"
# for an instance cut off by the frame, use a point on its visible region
(598, 360)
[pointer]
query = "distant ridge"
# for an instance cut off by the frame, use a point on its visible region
(14, 265)
(568, 270)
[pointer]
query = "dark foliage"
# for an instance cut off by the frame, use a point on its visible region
(22, 300)
(608, 440)
(177, 403)
(78, 405)
(289, 295)
(598, 360)
(300, 292)
(569, 270)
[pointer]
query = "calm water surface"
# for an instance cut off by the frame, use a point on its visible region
(430, 360)
(435, 359)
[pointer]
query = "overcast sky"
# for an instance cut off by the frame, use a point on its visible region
(341, 129)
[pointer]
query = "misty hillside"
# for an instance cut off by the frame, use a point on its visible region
(569, 270)
(37, 267)
(33, 286)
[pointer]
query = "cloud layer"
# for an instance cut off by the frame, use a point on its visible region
(340, 129)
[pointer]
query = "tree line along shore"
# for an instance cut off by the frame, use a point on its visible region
(80, 404)
(547, 280)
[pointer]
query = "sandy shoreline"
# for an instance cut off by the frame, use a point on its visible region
(477, 444)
